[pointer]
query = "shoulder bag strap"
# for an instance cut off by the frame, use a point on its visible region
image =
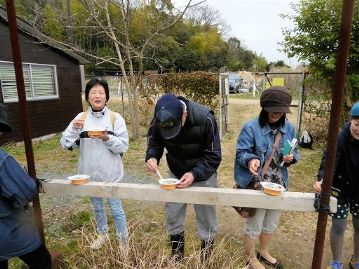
(275, 145)
(84, 115)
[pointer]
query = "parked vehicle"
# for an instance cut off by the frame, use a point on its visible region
(233, 82)
(240, 89)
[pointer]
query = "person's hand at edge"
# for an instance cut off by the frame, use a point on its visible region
(288, 158)
(317, 186)
(185, 180)
(104, 136)
(253, 166)
(78, 123)
(152, 164)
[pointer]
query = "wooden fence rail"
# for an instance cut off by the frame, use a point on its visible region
(289, 201)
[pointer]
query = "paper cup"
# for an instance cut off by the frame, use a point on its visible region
(272, 188)
(168, 183)
(78, 179)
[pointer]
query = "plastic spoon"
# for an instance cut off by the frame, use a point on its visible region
(159, 174)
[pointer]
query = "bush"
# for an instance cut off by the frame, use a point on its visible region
(316, 108)
(200, 87)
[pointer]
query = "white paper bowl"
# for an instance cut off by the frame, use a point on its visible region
(272, 188)
(168, 183)
(78, 179)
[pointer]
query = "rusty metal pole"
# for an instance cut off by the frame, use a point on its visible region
(301, 103)
(25, 122)
(336, 109)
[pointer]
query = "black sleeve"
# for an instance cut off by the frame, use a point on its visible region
(211, 158)
(338, 157)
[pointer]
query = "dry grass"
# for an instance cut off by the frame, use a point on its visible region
(69, 220)
(143, 254)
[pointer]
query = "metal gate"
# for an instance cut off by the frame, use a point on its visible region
(223, 104)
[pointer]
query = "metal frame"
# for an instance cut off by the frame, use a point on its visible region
(221, 103)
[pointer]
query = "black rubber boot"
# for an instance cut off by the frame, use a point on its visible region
(177, 244)
(206, 250)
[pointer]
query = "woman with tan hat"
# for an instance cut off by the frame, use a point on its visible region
(259, 154)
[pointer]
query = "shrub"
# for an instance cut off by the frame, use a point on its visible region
(200, 87)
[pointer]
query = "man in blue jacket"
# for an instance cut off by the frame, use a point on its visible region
(346, 185)
(19, 236)
(189, 133)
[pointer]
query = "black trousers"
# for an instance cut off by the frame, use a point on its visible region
(40, 258)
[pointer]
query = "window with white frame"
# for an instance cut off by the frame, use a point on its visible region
(40, 81)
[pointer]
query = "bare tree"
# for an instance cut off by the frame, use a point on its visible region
(202, 15)
(126, 51)
(114, 20)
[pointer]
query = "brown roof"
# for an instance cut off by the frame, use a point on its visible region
(28, 29)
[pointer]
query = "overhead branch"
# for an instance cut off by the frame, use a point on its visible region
(165, 27)
(107, 30)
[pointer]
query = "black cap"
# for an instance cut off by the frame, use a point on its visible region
(276, 99)
(168, 113)
(4, 125)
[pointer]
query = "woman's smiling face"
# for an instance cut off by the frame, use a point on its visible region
(273, 117)
(97, 97)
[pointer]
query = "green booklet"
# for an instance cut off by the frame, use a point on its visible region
(288, 148)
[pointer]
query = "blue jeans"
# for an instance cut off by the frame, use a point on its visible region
(117, 213)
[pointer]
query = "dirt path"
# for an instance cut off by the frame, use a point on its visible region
(240, 101)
